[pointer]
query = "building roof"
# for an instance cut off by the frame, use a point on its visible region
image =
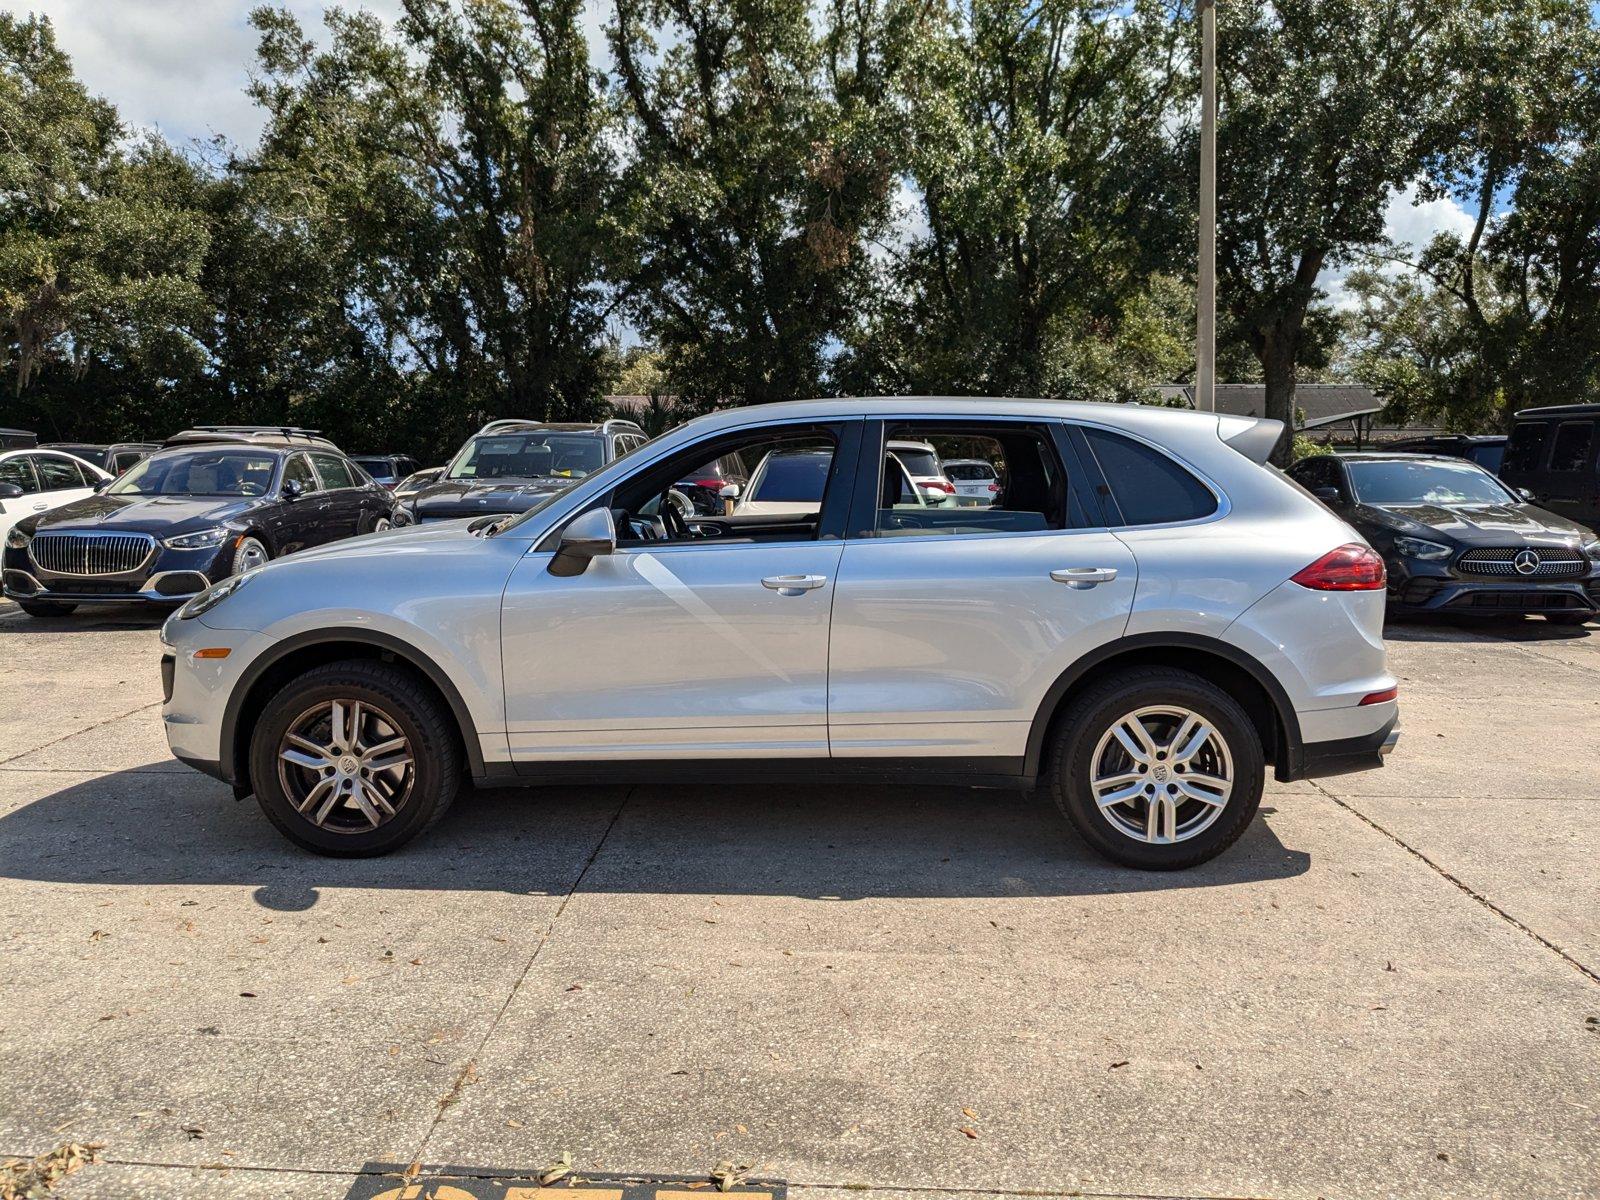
(1322, 403)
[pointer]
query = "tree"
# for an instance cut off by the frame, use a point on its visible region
(454, 180)
(100, 245)
(759, 163)
(1041, 150)
(1326, 109)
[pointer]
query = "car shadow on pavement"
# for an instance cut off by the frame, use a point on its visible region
(121, 616)
(146, 827)
(1483, 629)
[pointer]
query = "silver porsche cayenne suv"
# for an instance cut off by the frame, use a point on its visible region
(1139, 621)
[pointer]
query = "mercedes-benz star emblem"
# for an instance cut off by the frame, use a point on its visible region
(1526, 562)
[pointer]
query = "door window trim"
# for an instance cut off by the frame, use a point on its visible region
(27, 462)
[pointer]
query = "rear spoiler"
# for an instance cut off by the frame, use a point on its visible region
(1253, 437)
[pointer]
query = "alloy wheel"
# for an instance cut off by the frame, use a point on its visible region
(381, 524)
(249, 555)
(1161, 774)
(345, 766)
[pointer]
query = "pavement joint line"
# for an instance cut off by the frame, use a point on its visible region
(76, 732)
(1591, 975)
(920, 1189)
(470, 1066)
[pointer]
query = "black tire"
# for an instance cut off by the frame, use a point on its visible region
(1078, 731)
(46, 608)
(410, 704)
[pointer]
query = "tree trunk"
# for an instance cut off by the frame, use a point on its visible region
(1277, 353)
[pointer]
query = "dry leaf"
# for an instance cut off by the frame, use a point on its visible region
(513, 1123)
(969, 1131)
(558, 1169)
(967, 1112)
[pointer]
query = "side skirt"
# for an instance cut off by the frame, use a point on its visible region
(1006, 773)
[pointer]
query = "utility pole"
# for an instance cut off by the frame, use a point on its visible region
(1205, 342)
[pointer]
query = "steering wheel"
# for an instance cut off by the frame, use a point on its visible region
(672, 517)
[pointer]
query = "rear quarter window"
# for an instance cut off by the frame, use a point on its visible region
(1145, 485)
(1522, 451)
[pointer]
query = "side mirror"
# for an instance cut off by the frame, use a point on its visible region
(101, 485)
(1328, 495)
(1527, 494)
(293, 489)
(9, 491)
(588, 535)
(729, 493)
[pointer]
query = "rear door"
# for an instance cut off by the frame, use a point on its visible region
(61, 480)
(17, 469)
(1569, 483)
(340, 498)
(951, 622)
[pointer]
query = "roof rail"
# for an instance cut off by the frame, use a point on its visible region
(508, 423)
(287, 431)
(611, 423)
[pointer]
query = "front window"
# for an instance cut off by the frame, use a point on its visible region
(529, 456)
(1438, 483)
(208, 472)
(792, 476)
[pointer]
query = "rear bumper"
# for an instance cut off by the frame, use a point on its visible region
(1319, 760)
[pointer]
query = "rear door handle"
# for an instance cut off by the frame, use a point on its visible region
(40, 507)
(793, 585)
(1084, 577)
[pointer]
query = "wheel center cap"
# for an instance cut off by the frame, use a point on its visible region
(1159, 772)
(348, 765)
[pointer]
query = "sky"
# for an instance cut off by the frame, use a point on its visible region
(180, 67)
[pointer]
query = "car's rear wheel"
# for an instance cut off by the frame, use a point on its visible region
(1157, 768)
(355, 758)
(45, 608)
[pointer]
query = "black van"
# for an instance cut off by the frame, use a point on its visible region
(1554, 453)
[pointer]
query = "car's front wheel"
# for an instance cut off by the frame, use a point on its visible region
(251, 552)
(355, 758)
(1157, 768)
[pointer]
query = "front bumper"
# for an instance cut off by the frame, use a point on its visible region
(168, 577)
(1433, 595)
(195, 691)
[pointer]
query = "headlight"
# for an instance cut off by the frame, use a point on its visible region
(18, 540)
(1592, 549)
(212, 596)
(198, 541)
(1417, 548)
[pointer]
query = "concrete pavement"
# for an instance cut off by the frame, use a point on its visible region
(1390, 987)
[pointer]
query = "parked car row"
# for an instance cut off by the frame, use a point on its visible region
(210, 503)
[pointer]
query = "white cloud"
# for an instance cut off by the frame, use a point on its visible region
(1410, 221)
(180, 66)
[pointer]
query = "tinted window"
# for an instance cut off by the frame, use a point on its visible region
(1422, 482)
(969, 472)
(1149, 488)
(334, 471)
(1489, 455)
(125, 459)
(1522, 451)
(793, 477)
(56, 474)
(298, 470)
(17, 471)
(1571, 451)
(381, 469)
(919, 460)
(530, 456)
(200, 473)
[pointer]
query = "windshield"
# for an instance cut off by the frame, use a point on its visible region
(378, 468)
(1422, 482)
(529, 456)
(209, 472)
(793, 477)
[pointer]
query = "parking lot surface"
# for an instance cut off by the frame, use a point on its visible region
(1390, 987)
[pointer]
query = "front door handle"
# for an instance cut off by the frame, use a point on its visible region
(1084, 577)
(41, 506)
(793, 585)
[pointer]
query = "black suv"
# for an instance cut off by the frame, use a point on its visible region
(509, 466)
(387, 469)
(1455, 539)
(213, 502)
(1554, 454)
(1485, 449)
(116, 458)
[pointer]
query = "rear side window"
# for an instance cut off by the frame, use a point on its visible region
(334, 470)
(1571, 451)
(1522, 451)
(1148, 487)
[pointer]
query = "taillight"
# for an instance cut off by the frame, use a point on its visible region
(1382, 697)
(1351, 568)
(939, 485)
(994, 487)
(712, 484)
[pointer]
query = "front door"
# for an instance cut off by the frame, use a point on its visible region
(702, 636)
(952, 619)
